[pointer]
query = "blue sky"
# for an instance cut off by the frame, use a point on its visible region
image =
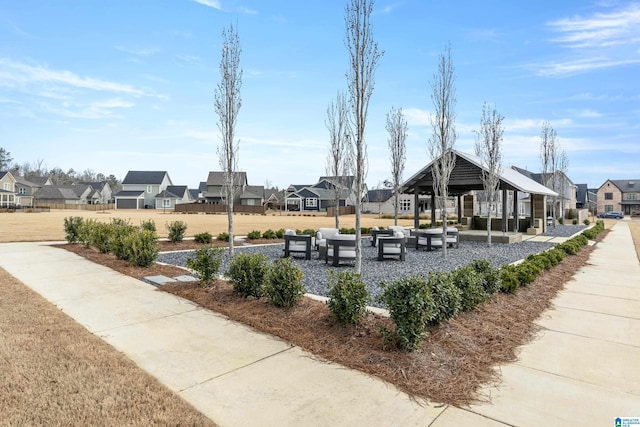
(128, 85)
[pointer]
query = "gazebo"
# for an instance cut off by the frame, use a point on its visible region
(467, 176)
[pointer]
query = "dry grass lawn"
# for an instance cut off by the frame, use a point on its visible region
(635, 233)
(49, 226)
(54, 372)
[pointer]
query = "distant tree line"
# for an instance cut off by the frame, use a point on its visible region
(57, 175)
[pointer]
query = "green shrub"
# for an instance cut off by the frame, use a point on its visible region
(491, 280)
(280, 233)
(447, 298)
(269, 234)
(470, 284)
(283, 283)
(223, 237)
(204, 237)
(206, 262)
(85, 230)
(176, 231)
(586, 222)
(101, 236)
(600, 222)
(574, 221)
(119, 231)
(527, 272)
(148, 224)
(509, 279)
(309, 232)
(348, 297)
(345, 230)
(141, 249)
(247, 272)
(365, 230)
(72, 227)
(569, 247)
(411, 307)
(254, 235)
(571, 214)
(560, 220)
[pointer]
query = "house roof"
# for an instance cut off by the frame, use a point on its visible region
(144, 177)
(271, 194)
(202, 186)
(581, 193)
(467, 176)
(26, 182)
(627, 185)
(379, 195)
(3, 173)
(174, 192)
(130, 193)
(344, 181)
(96, 185)
(6, 191)
(216, 178)
(195, 193)
(57, 192)
(253, 192)
(39, 181)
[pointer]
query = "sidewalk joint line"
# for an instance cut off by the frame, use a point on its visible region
(277, 353)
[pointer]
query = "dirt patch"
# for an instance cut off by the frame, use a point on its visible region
(54, 372)
(451, 365)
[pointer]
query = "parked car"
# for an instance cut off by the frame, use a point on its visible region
(612, 214)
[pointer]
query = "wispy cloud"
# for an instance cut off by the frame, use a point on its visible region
(620, 27)
(565, 68)
(598, 41)
(20, 74)
(95, 110)
(417, 117)
(211, 3)
(146, 51)
(247, 11)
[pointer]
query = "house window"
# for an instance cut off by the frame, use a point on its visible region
(632, 196)
(521, 209)
(311, 202)
(405, 205)
(7, 186)
(166, 203)
(608, 208)
(608, 196)
(149, 188)
(23, 191)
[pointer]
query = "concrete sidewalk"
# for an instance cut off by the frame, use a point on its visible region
(583, 370)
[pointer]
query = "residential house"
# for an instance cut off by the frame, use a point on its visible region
(567, 190)
(381, 201)
(215, 187)
(197, 194)
(8, 197)
(272, 198)
(621, 195)
(171, 196)
(586, 198)
(102, 193)
(321, 195)
(140, 188)
(27, 187)
(64, 194)
(245, 195)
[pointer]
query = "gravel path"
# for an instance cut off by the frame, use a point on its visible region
(417, 262)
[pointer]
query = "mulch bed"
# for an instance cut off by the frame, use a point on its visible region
(450, 366)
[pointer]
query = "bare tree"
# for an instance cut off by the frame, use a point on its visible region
(340, 158)
(489, 149)
(363, 61)
(443, 138)
(563, 167)
(227, 105)
(397, 128)
(549, 147)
